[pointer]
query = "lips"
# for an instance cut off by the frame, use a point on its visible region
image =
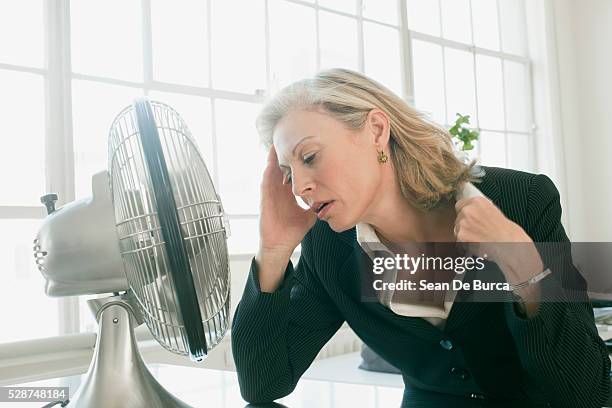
(319, 205)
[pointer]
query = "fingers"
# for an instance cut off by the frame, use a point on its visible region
(459, 205)
(465, 209)
(272, 158)
(272, 168)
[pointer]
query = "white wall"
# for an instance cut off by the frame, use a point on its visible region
(583, 30)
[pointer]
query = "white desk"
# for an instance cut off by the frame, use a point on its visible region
(219, 389)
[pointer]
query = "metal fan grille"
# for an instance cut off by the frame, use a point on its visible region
(141, 242)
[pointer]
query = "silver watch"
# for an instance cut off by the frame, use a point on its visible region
(532, 280)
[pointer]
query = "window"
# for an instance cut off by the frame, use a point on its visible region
(470, 57)
(23, 172)
(214, 60)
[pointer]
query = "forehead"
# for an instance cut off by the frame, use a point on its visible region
(297, 127)
(302, 126)
(297, 124)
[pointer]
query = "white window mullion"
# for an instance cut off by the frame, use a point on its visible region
(147, 45)
(443, 48)
(19, 68)
(267, 45)
(360, 39)
(467, 47)
(58, 103)
(213, 101)
(59, 151)
(12, 212)
(406, 55)
(318, 38)
(473, 51)
(503, 84)
(533, 128)
(476, 125)
(209, 41)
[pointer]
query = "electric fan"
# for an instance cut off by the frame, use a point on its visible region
(154, 236)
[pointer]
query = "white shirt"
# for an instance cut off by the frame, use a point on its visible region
(369, 241)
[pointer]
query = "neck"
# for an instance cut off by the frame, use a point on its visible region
(397, 221)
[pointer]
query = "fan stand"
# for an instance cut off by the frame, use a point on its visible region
(117, 376)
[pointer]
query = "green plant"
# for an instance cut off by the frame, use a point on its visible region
(462, 134)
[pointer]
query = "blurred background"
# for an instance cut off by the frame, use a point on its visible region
(532, 74)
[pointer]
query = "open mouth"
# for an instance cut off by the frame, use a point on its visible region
(322, 206)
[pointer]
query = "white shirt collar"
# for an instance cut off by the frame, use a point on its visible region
(365, 232)
(369, 241)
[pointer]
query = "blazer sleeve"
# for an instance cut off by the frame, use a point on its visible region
(276, 336)
(559, 348)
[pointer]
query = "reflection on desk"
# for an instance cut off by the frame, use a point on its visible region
(202, 387)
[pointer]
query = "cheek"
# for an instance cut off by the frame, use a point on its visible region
(357, 185)
(362, 174)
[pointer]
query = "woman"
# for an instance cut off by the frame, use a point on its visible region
(372, 168)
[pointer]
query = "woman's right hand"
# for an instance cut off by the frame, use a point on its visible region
(282, 223)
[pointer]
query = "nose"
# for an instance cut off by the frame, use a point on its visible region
(301, 184)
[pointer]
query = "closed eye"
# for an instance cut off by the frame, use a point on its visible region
(305, 160)
(309, 159)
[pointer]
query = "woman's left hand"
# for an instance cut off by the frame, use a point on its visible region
(480, 223)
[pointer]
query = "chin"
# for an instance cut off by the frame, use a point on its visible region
(337, 226)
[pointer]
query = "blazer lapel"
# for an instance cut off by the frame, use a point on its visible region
(350, 278)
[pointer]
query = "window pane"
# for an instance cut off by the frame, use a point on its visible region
(338, 41)
(486, 29)
(490, 92)
(94, 107)
(347, 6)
(424, 16)
(385, 10)
(293, 42)
(429, 79)
(382, 63)
(518, 151)
(26, 311)
(238, 57)
(460, 85)
(245, 236)
(456, 23)
(22, 159)
(493, 149)
(21, 28)
(195, 111)
(107, 38)
(241, 156)
(180, 43)
(513, 29)
(518, 100)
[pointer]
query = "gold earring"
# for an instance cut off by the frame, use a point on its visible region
(382, 157)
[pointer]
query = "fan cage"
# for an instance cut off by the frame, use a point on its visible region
(141, 244)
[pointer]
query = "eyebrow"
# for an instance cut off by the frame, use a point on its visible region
(294, 148)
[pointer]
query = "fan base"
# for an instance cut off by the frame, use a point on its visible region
(117, 376)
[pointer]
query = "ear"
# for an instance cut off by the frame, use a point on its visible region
(379, 127)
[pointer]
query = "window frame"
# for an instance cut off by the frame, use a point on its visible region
(58, 78)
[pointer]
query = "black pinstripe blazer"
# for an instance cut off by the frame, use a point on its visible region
(554, 359)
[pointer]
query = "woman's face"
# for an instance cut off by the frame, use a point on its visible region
(325, 161)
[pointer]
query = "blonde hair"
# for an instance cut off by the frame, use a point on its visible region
(421, 151)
